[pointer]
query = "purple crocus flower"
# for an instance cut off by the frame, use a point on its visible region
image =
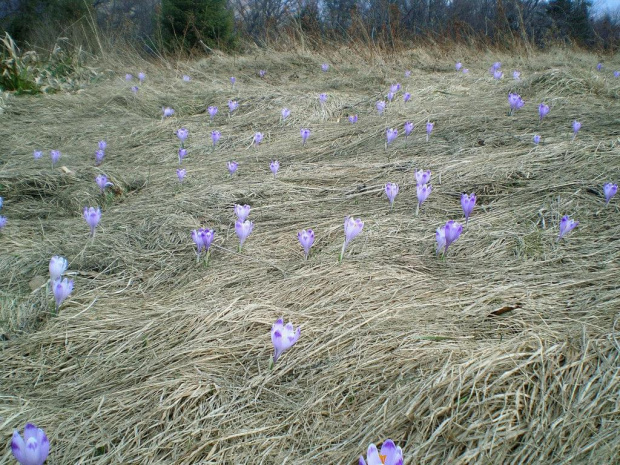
(232, 81)
(323, 98)
(497, 74)
(391, 134)
(407, 73)
(141, 77)
(516, 75)
(408, 128)
(440, 237)
(422, 177)
(391, 190)
(55, 156)
(543, 110)
(515, 101)
(406, 97)
(458, 65)
(423, 191)
(232, 105)
(380, 106)
(33, 449)
(3, 221)
(352, 227)
(465, 70)
(186, 78)
(243, 230)
(128, 77)
(62, 289)
(215, 137)
(324, 67)
(390, 96)
(576, 128)
(92, 217)
(182, 134)
(429, 129)
(1, 202)
(262, 73)
(617, 74)
(599, 67)
(99, 156)
(283, 337)
(305, 133)
(242, 212)
(212, 112)
(352, 119)
(232, 167)
(566, 226)
(497, 65)
(257, 139)
(102, 145)
(610, 190)
(182, 154)
(134, 89)
(389, 455)
(274, 166)
(203, 239)
(395, 87)
(536, 139)
(447, 234)
(181, 172)
(306, 239)
(37, 154)
(102, 182)
(468, 202)
(58, 265)
(285, 113)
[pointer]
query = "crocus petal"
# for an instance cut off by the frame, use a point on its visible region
(373, 456)
(362, 461)
(18, 446)
(388, 449)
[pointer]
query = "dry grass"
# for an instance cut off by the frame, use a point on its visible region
(155, 359)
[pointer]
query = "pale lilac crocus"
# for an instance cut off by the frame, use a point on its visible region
(197, 238)
(285, 113)
(447, 234)
(186, 78)
(61, 289)
(543, 110)
(37, 154)
(429, 129)
(325, 67)
(306, 239)
(243, 230)
(58, 265)
(516, 75)
(182, 154)
(102, 145)
(215, 137)
(323, 98)
(408, 128)
(134, 89)
(257, 139)
(55, 156)
(128, 77)
(212, 112)
(468, 202)
(395, 87)
(536, 139)
(262, 73)
(391, 190)
(407, 73)
(352, 227)
(274, 166)
(232, 81)
(283, 337)
(203, 238)
(497, 74)
(232, 167)
(599, 67)
(440, 237)
(423, 191)
(390, 96)
(380, 106)
(92, 216)
(232, 105)
(566, 225)
(242, 212)
(391, 135)
(3, 221)
(610, 190)
(141, 77)
(617, 74)
(99, 156)
(497, 65)
(458, 65)
(182, 134)
(576, 128)
(422, 177)
(465, 70)
(389, 455)
(515, 101)
(181, 172)
(352, 119)
(33, 448)
(406, 97)
(305, 133)
(102, 182)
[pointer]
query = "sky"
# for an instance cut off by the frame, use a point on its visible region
(602, 5)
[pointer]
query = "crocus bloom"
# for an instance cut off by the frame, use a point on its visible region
(203, 239)
(134, 89)
(99, 156)
(232, 81)
(497, 74)
(389, 455)
(232, 167)
(102, 145)
(423, 191)
(566, 225)
(599, 66)
(215, 137)
(380, 106)
(285, 113)
(92, 217)
(283, 337)
(58, 265)
(440, 237)
(465, 70)
(576, 128)
(141, 77)
(515, 101)
(243, 230)
(258, 137)
(37, 154)
(212, 111)
(536, 139)
(102, 182)
(262, 73)
(395, 87)
(408, 128)
(447, 234)
(392, 134)
(323, 98)
(543, 110)
(429, 129)
(468, 202)
(1, 202)
(352, 227)
(232, 105)
(407, 73)
(352, 119)
(61, 289)
(324, 67)
(3, 221)
(182, 134)
(181, 172)
(274, 166)
(406, 97)
(458, 65)
(306, 239)
(55, 156)
(128, 77)
(242, 212)
(610, 190)
(33, 449)
(182, 154)
(305, 133)
(186, 78)
(391, 190)
(422, 177)
(516, 75)
(616, 74)
(390, 96)
(497, 65)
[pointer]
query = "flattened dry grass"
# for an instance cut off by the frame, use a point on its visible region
(505, 352)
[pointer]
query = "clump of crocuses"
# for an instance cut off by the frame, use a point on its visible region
(391, 135)
(306, 239)
(468, 202)
(515, 101)
(203, 238)
(92, 216)
(283, 337)
(609, 190)
(33, 448)
(446, 235)
(352, 227)
(391, 190)
(566, 225)
(389, 455)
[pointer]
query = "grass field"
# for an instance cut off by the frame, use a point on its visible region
(506, 351)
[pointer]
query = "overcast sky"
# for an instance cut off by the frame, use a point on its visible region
(602, 5)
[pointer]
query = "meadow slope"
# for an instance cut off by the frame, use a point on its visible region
(504, 352)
